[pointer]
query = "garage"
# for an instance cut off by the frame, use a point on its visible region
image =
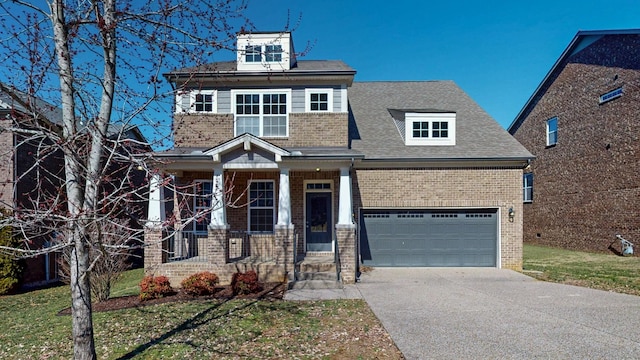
(436, 238)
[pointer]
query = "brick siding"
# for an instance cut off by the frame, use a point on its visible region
(449, 188)
(305, 130)
(586, 188)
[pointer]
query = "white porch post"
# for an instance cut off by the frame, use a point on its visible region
(218, 211)
(155, 212)
(345, 210)
(284, 199)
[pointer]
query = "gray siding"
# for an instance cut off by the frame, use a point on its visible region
(224, 101)
(298, 99)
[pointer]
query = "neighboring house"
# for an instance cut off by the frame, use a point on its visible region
(31, 173)
(583, 125)
(329, 171)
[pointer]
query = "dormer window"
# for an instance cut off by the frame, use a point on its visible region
(253, 53)
(429, 128)
(265, 52)
(273, 53)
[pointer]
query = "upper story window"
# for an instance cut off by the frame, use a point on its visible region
(262, 113)
(319, 100)
(261, 206)
(527, 187)
(253, 53)
(265, 52)
(430, 128)
(197, 101)
(273, 53)
(614, 94)
(552, 131)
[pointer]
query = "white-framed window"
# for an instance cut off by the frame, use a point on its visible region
(261, 206)
(253, 53)
(613, 94)
(202, 193)
(430, 129)
(319, 100)
(263, 113)
(552, 131)
(527, 187)
(197, 101)
(273, 53)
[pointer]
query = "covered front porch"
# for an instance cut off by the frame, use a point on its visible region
(254, 206)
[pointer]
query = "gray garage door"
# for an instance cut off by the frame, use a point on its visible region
(428, 238)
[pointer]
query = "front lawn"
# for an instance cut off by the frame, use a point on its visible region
(599, 271)
(236, 329)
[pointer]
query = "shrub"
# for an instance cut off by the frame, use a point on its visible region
(154, 287)
(10, 267)
(245, 283)
(202, 283)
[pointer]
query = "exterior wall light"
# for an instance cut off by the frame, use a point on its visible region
(512, 214)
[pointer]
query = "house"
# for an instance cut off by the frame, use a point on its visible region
(582, 124)
(290, 168)
(32, 173)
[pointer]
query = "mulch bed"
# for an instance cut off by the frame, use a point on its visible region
(271, 291)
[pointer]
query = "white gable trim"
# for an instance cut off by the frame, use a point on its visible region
(247, 142)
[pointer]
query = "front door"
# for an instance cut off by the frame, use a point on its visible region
(318, 221)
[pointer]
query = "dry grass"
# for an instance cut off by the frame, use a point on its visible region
(598, 271)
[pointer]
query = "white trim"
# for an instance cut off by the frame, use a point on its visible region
(304, 207)
(430, 118)
(344, 99)
(284, 199)
(345, 200)
(283, 39)
(286, 91)
(191, 94)
(307, 99)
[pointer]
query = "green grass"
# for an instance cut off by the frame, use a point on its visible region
(237, 329)
(599, 271)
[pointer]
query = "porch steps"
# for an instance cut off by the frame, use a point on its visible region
(316, 272)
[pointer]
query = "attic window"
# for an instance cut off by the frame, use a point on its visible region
(253, 53)
(430, 128)
(273, 53)
(614, 94)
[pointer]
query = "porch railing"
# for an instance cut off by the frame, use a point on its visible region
(185, 245)
(241, 246)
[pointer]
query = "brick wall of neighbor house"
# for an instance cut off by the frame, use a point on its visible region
(449, 188)
(586, 188)
(305, 130)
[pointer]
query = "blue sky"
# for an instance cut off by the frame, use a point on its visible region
(497, 51)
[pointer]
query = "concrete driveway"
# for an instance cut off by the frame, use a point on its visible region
(481, 313)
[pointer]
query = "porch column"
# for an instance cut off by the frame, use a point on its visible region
(284, 199)
(153, 227)
(218, 206)
(346, 230)
(283, 232)
(217, 246)
(155, 212)
(345, 209)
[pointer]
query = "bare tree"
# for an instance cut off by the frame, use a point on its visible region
(100, 63)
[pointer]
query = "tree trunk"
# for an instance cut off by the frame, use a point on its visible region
(82, 321)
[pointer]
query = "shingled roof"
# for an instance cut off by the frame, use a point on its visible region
(374, 133)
